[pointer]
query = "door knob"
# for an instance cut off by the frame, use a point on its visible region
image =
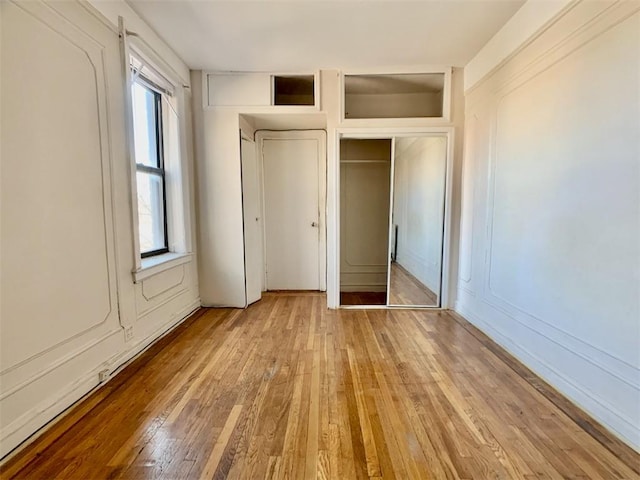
(314, 224)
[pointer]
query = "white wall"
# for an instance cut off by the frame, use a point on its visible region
(550, 244)
(221, 259)
(418, 206)
(219, 193)
(221, 109)
(364, 214)
(67, 290)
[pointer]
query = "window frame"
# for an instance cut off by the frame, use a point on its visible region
(177, 158)
(158, 92)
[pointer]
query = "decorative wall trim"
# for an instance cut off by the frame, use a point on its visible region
(141, 345)
(29, 425)
(94, 54)
(579, 416)
(61, 361)
(148, 311)
(41, 387)
(599, 372)
(172, 286)
(493, 162)
(575, 33)
(619, 369)
(466, 223)
(598, 407)
(31, 422)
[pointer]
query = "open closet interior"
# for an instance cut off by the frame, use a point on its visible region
(365, 180)
(392, 214)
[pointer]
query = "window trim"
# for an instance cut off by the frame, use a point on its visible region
(138, 57)
(160, 170)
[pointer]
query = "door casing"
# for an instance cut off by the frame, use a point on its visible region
(333, 219)
(252, 221)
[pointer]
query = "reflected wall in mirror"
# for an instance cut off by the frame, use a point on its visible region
(417, 226)
(365, 182)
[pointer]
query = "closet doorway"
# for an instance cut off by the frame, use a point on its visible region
(365, 185)
(393, 219)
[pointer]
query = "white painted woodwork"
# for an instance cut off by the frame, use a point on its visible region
(418, 206)
(253, 227)
(231, 89)
(418, 95)
(365, 180)
(67, 240)
(292, 166)
(530, 19)
(64, 163)
(220, 218)
(221, 240)
(289, 121)
(550, 249)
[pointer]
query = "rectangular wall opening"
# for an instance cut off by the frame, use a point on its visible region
(411, 95)
(294, 90)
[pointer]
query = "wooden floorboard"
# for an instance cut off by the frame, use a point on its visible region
(289, 389)
(405, 289)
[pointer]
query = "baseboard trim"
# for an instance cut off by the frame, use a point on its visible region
(45, 416)
(585, 421)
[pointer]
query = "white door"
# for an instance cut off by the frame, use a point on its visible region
(252, 223)
(292, 199)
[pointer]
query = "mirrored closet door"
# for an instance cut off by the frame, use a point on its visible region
(392, 216)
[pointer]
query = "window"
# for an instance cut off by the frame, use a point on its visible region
(159, 172)
(150, 171)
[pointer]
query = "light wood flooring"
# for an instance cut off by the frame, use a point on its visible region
(408, 290)
(289, 389)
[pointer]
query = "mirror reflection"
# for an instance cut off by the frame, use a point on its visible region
(417, 224)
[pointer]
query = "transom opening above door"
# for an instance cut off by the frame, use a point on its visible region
(396, 95)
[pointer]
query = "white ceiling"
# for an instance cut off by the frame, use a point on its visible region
(304, 35)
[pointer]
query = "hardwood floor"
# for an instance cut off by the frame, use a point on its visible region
(407, 289)
(289, 389)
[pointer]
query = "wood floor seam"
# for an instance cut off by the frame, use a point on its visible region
(287, 389)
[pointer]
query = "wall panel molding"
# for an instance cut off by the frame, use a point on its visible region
(573, 27)
(602, 409)
(493, 165)
(583, 351)
(65, 172)
(45, 16)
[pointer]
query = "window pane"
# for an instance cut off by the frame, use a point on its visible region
(150, 212)
(144, 125)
